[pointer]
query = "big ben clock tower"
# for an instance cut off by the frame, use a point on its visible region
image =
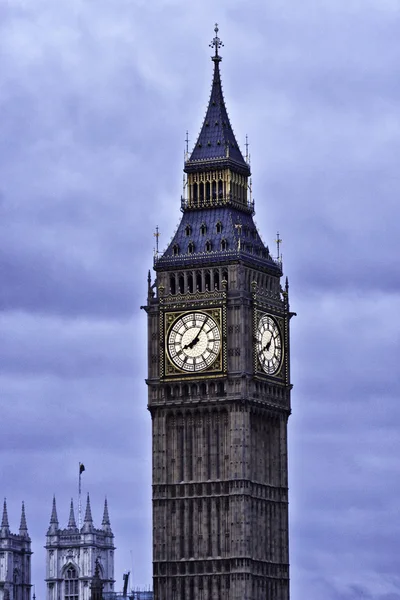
(219, 386)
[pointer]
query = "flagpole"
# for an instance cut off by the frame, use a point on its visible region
(79, 499)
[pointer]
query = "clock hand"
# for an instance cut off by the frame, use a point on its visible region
(195, 339)
(268, 344)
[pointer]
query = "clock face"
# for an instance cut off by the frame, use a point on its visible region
(194, 341)
(269, 344)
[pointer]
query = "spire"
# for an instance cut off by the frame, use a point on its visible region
(106, 518)
(5, 527)
(53, 518)
(71, 521)
(216, 142)
(23, 528)
(88, 521)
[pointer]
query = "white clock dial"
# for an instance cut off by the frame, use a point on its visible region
(194, 341)
(269, 344)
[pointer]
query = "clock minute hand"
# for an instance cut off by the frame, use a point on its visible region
(196, 338)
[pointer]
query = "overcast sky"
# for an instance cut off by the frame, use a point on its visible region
(95, 100)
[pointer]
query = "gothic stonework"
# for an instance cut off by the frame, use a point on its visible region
(219, 387)
(75, 555)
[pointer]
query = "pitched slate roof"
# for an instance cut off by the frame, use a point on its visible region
(216, 142)
(211, 235)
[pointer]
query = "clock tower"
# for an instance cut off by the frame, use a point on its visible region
(219, 386)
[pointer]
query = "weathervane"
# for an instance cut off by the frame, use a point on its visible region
(216, 43)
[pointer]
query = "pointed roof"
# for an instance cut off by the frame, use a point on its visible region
(23, 528)
(5, 527)
(71, 521)
(216, 143)
(106, 518)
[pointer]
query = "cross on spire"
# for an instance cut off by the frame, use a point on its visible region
(216, 43)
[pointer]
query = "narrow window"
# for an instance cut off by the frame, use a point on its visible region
(188, 230)
(203, 229)
(181, 284)
(223, 244)
(71, 584)
(214, 190)
(208, 280)
(208, 246)
(175, 249)
(191, 248)
(220, 188)
(195, 192)
(219, 227)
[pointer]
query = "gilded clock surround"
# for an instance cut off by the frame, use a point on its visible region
(171, 319)
(266, 322)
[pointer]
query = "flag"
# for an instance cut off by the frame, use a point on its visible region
(81, 468)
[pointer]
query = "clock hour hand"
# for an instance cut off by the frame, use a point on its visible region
(268, 344)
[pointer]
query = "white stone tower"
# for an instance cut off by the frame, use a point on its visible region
(15, 560)
(72, 554)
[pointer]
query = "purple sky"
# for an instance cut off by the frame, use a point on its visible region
(95, 100)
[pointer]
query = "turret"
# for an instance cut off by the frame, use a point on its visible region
(106, 525)
(23, 528)
(88, 520)
(71, 520)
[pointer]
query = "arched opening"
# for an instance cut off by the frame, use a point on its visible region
(191, 248)
(208, 246)
(195, 192)
(175, 249)
(181, 284)
(172, 284)
(199, 285)
(201, 190)
(71, 583)
(216, 279)
(208, 194)
(190, 283)
(214, 190)
(208, 280)
(219, 227)
(203, 229)
(224, 244)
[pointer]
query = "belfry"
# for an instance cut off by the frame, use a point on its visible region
(219, 385)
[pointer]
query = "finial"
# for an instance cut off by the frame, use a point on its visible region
(278, 245)
(216, 43)
(187, 144)
(156, 235)
(247, 148)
